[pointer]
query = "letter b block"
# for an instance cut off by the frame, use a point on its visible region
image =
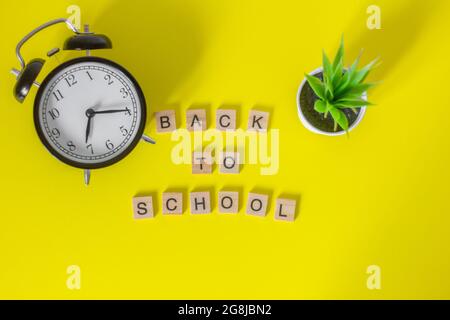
(165, 121)
(143, 207)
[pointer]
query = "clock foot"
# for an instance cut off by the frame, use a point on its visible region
(148, 139)
(87, 176)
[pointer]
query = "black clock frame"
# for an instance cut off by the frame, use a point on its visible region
(77, 164)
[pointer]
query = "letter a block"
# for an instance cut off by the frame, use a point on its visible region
(226, 119)
(258, 120)
(285, 209)
(143, 207)
(165, 121)
(200, 202)
(228, 201)
(172, 203)
(257, 204)
(196, 119)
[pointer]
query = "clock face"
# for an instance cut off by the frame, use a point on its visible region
(90, 112)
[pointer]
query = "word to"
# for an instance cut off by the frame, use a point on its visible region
(196, 120)
(216, 146)
(202, 162)
(200, 203)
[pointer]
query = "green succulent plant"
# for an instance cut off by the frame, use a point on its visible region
(341, 88)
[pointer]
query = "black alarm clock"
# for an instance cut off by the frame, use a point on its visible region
(89, 112)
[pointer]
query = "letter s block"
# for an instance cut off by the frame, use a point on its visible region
(143, 207)
(166, 121)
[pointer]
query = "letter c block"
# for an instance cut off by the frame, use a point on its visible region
(172, 203)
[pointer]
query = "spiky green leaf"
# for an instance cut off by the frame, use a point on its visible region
(347, 77)
(362, 74)
(340, 117)
(316, 85)
(356, 90)
(320, 106)
(339, 58)
(348, 103)
(337, 75)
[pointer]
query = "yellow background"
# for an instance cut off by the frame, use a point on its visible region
(380, 197)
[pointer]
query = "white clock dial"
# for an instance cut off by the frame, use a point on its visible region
(90, 112)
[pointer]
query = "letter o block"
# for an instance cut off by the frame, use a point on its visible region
(143, 207)
(172, 203)
(229, 162)
(228, 201)
(257, 204)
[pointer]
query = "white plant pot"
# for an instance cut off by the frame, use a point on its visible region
(310, 127)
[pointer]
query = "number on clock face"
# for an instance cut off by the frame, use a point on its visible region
(90, 112)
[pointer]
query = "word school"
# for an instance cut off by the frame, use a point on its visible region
(200, 203)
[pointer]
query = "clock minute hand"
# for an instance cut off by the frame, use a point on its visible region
(88, 128)
(112, 111)
(89, 113)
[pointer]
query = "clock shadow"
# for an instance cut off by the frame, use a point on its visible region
(159, 43)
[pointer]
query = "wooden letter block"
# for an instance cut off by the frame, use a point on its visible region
(285, 209)
(201, 162)
(165, 121)
(172, 203)
(143, 207)
(228, 201)
(200, 202)
(196, 119)
(257, 204)
(258, 120)
(226, 119)
(229, 162)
